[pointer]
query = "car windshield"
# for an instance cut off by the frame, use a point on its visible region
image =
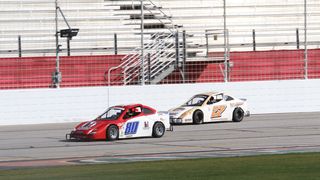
(197, 100)
(112, 113)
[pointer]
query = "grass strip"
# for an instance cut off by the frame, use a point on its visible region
(286, 166)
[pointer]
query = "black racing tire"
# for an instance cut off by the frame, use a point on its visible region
(158, 130)
(197, 117)
(238, 115)
(112, 133)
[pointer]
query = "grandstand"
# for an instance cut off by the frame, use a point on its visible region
(265, 41)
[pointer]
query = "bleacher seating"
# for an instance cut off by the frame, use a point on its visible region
(274, 22)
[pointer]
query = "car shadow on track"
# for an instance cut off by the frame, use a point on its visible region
(191, 124)
(103, 140)
(77, 140)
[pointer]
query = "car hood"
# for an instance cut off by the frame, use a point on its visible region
(175, 112)
(91, 124)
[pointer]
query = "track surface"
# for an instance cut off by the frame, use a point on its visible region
(45, 145)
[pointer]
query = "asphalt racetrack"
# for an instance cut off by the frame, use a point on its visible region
(45, 145)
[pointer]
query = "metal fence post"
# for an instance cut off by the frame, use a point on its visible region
(228, 55)
(19, 46)
(207, 43)
(297, 38)
(177, 48)
(149, 68)
(115, 39)
(68, 46)
(184, 46)
(254, 39)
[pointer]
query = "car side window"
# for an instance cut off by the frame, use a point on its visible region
(211, 100)
(147, 111)
(132, 112)
(128, 114)
(228, 98)
(219, 97)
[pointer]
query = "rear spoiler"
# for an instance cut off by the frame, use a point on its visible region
(166, 113)
(163, 112)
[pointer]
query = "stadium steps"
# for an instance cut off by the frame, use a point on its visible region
(154, 19)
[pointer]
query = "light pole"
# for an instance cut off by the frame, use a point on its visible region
(56, 76)
(305, 42)
(142, 43)
(226, 65)
(67, 33)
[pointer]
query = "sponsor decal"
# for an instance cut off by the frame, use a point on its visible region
(188, 120)
(236, 104)
(217, 111)
(146, 125)
(131, 128)
(121, 126)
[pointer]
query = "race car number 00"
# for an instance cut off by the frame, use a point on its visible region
(217, 111)
(131, 127)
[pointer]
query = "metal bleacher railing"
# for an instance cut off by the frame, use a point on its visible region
(157, 55)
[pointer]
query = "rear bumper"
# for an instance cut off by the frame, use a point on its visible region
(247, 114)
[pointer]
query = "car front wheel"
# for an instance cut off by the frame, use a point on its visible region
(197, 117)
(158, 130)
(112, 133)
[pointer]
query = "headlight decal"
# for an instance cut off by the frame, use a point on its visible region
(187, 113)
(87, 125)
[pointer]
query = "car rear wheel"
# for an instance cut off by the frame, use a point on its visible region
(158, 130)
(112, 133)
(238, 115)
(197, 117)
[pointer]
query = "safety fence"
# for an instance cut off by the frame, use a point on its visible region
(36, 72)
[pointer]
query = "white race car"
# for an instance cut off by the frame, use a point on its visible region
(210, 107)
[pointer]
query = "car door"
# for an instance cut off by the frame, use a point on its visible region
(219, 108)
(136, 124)
(232, 104)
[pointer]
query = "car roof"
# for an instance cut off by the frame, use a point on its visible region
(128, 105)
(210, 93)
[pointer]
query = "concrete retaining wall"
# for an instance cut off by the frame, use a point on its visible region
(33, 106)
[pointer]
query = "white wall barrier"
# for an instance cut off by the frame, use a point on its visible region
(34, 106)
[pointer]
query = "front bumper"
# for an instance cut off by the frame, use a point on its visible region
(175, 120)
(78, 135)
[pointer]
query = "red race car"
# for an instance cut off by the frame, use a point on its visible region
(125, 121)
